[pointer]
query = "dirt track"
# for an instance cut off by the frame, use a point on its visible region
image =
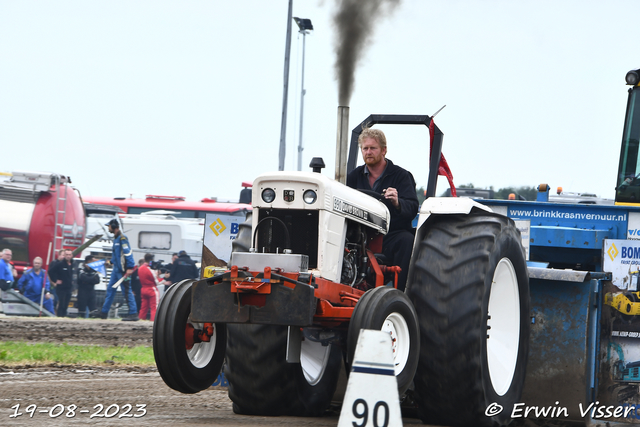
(89, 387)
(53, 387)
(76, 331)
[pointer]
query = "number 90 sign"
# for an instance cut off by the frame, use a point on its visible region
(380, 414)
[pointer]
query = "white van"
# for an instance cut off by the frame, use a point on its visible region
(156, 232)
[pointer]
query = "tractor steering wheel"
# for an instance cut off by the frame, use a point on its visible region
(376, 196)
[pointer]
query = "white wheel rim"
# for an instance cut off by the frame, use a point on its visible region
(313, 360)
(503, 327)
(201, 353)
(397, 327)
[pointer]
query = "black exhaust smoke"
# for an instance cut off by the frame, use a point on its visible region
(355, 21)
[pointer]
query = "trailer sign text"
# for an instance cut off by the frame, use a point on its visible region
(622, 258)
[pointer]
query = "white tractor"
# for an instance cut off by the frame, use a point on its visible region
(306, 275)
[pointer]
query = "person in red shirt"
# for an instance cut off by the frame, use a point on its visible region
(149, 290)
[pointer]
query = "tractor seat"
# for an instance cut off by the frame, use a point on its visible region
(382, 259)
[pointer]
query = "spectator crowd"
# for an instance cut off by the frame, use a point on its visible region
(51, 289)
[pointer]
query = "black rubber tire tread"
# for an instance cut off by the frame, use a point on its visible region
(450, 288)
(370, 313)
(169, 350)
(159, 341)
(317, 398)
(261, 382)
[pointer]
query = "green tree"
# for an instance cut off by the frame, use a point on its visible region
(420, 192)
(528, 193)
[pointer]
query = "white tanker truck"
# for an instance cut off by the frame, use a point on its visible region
(40, 213)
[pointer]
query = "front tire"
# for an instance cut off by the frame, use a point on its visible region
(183, 369)
(470, 286)
(389, 310)
(317, 376)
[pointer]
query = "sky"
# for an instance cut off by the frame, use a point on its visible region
(185, 98)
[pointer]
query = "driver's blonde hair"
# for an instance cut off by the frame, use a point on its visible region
(376, 134)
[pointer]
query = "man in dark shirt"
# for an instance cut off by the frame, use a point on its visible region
(398, 188)
(136, 287)
(88, 278)
(62, 273)
(183, 268)
(52, 278)
(168, 280)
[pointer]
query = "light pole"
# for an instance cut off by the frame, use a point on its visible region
(305, 26)
(285, 94)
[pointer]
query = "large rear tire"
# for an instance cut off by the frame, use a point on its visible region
(389, 310)
(261, 382)
(470, 287)
(185, 370)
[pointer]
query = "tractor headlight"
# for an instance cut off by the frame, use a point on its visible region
(268, 195)
(309, 197)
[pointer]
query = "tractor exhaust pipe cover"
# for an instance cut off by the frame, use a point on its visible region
(342, 144)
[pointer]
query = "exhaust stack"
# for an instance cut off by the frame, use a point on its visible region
(342, 144)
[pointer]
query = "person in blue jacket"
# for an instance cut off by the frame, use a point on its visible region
(122, 266)
(31, 284)
(7, 273)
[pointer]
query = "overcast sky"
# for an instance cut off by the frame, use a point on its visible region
(185, 97)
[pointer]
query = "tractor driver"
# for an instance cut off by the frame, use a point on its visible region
(398, 187)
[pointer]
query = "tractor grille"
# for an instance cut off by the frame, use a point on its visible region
(303, 232)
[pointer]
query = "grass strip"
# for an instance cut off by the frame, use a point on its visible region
(20, 353)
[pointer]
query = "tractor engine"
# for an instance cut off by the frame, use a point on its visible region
(331, 225)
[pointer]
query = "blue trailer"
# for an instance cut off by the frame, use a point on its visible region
(570, 358)
(584, 353)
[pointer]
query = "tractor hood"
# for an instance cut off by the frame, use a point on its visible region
(289, 188)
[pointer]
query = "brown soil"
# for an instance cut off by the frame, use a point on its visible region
(51, 389)
(76, 331)
(54, 388)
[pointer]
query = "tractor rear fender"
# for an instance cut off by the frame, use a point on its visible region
(447, 205)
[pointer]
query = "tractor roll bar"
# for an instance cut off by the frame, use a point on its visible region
(400, 119)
